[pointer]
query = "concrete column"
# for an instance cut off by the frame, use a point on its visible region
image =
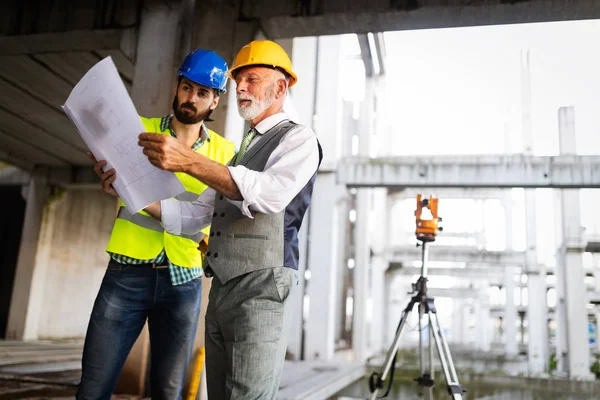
(510, 313)
(296, 334)
(573, 244)
(483, 324)
(28, 289)
(378, 268)
(562, 364)
(362, 270)
(537, 322)
(303, 103)
(157, 46)
(536, 282)
(361, 335)
(378, 322)
(460, 329)
(328, 107)
(328, 217)
(482, 331)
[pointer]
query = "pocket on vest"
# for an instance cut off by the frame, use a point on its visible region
(248, 236)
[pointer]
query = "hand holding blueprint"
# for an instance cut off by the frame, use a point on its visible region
(109, 124)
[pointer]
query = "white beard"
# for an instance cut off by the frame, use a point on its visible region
(256, 107)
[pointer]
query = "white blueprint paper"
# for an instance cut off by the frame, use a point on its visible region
(109, 124)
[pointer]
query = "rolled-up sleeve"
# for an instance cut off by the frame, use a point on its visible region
(288, 170)
(188, 218)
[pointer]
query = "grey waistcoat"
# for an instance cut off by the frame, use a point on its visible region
(238, 244)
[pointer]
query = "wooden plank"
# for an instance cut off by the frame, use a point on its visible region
(41, 343)
(80, 40)
(40, 352)
(40, 368)
(39, 358)
(40, 114)
(22, 151)
(12, 392)
(41, 139)
(71, 65)
(30, 379)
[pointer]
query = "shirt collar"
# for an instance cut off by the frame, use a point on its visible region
(270, 122)
(165, 123)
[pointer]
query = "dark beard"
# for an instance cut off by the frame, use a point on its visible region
(189, 119)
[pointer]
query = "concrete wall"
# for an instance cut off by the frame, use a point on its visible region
(75, 230)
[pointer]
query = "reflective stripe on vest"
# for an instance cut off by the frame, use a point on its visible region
(187, 196)
(152, 223)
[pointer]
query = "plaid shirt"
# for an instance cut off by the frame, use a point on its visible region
(179, 275)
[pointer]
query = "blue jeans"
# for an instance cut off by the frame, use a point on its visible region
(128, 296)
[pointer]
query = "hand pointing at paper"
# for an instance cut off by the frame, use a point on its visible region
(169, 154)
(166, 152)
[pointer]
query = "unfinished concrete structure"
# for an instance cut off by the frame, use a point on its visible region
(60, 221)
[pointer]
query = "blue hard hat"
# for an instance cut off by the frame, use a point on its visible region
(206, 68)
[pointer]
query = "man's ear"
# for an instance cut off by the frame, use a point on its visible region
(215, 102)
(281, 87)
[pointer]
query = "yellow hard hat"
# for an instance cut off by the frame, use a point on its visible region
(263, 52)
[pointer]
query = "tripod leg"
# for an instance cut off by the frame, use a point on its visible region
(425, 379)
(389, 359)
(429, 390)
(431, 344)
(421, 357)
(454, 388)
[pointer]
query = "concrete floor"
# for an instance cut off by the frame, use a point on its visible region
(51, 371)
(41, 370)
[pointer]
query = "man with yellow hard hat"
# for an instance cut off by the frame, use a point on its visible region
(255, 207)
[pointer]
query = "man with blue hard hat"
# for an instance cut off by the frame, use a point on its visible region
(153, 275)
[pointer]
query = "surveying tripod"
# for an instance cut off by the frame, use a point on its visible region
(426, 231)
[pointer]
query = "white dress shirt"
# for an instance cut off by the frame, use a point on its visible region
(288, 169)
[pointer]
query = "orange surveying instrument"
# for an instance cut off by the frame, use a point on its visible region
(426, 232)
(427, 229)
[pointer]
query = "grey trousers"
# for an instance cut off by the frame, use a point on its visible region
(246, 328)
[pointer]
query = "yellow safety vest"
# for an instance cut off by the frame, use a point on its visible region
(142, 237)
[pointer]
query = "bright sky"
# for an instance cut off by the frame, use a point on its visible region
(463, 87)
